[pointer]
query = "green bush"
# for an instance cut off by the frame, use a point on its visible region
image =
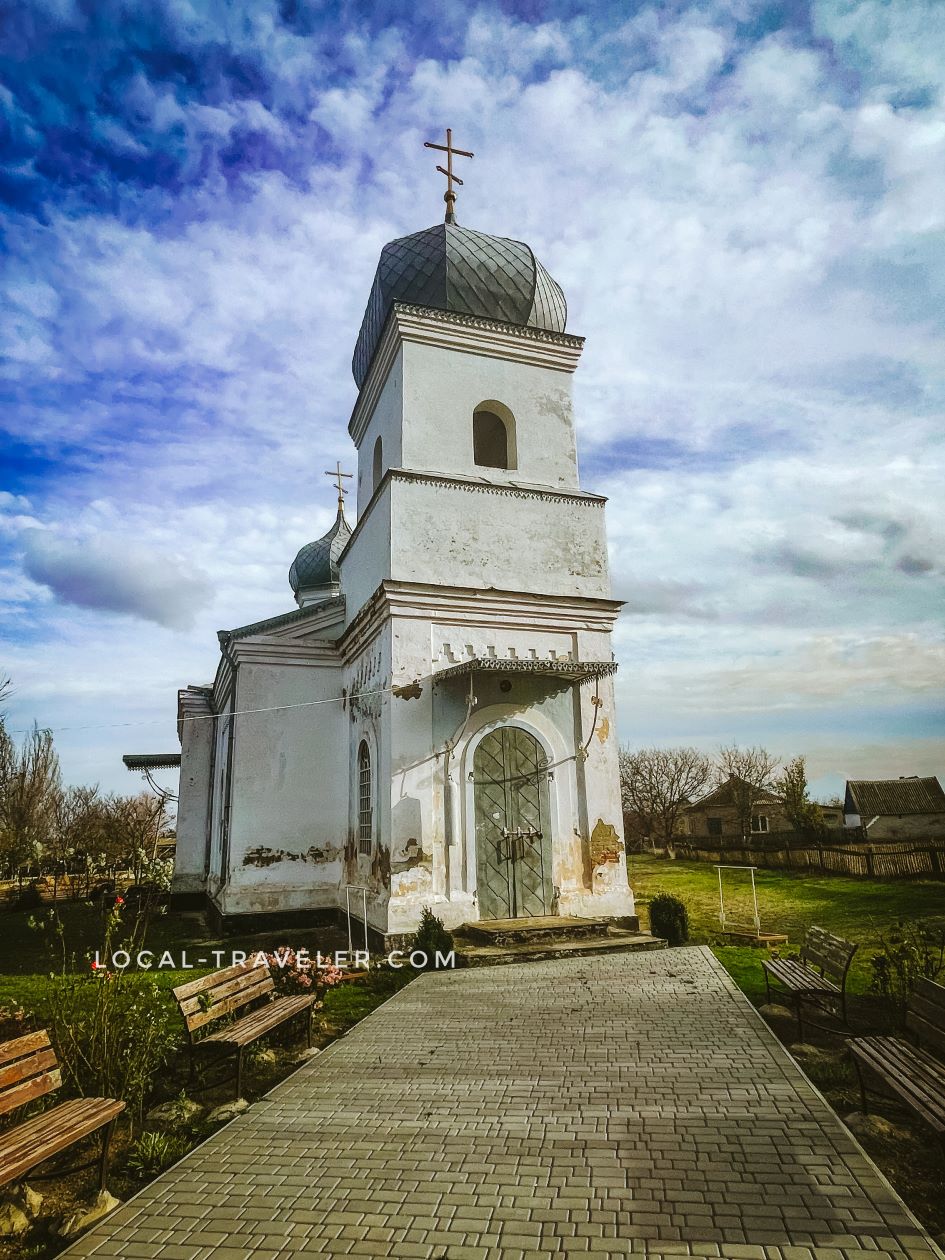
(669, 919)
(113, 1031)
(431, 938)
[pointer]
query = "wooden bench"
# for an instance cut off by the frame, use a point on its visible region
(28, 1070)
(208, 999)
(913, 1074)
(818, 974)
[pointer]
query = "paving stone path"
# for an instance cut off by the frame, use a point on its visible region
(630, 1106)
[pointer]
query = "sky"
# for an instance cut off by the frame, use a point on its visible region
(744, 202)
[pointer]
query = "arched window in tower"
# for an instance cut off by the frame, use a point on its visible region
(365, 799)
(493, 436)
(378, 469)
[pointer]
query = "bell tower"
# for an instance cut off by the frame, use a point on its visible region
(467, 463)
(478, 575)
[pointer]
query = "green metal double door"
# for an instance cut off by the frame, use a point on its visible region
(513, 836)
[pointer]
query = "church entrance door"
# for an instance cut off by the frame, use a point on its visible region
(513, 838)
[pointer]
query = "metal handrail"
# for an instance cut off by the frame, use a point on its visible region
(363, 890)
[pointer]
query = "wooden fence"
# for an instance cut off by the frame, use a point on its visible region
(894, 860)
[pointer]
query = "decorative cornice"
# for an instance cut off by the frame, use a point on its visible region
(577, 671)
(507, 489)
(312, 612)
(524, 331)
(470, 606)
(478, 605)
(286, 652)
(193, 702)
(467, 334)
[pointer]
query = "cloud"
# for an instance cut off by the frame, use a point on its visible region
(108, 575)
(745, 213)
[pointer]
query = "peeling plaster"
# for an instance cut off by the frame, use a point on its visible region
(605, 843)
(380, 868)
(264, 856)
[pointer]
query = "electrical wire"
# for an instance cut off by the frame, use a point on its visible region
(204, 717)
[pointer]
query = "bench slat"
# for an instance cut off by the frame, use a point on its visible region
(832, 954)
(230, 1004)
(925, 1015)
(932, 992)
(253, 1026)
(53, 1131)
(210, 981)
(35, 1065)
(798, 978)
(249, 980)
(915, 1077)
(26, 1091)
(46, 1125)
(19, 1047)
(897, 1061)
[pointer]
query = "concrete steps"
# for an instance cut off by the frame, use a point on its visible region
(496, 941)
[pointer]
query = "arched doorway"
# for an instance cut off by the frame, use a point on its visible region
(513, 834)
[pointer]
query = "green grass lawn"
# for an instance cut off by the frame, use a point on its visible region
(28, 956)
(860, 910)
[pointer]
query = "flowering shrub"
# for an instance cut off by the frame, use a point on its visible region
(300, 973)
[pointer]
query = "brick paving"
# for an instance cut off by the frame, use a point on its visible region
(623, 1106)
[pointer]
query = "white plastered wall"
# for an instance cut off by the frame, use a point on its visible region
(289, 802)
(442, 387)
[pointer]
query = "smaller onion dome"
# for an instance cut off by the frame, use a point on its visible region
(314, 573)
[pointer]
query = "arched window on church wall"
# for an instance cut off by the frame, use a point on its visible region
(378, 468)
(365, 799)
(494, 436)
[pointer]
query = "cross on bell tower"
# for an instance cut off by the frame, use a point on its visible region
(338, 477)
(449, 196)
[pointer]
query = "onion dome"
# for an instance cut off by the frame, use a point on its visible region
(452, 268)
(314, 573)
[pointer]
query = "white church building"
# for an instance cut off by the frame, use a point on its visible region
(433, 723)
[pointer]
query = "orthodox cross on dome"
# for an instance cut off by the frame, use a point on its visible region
(449, 196)
(338, 478)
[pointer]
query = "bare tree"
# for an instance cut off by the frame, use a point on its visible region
(29, 787)
(749, 773)
(657, 783)
(133, 828)
(76, 840)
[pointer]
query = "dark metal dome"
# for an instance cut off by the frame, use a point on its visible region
(317, 563)
(453, 268)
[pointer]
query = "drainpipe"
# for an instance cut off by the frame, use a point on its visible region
(449, 835)
(227, 795)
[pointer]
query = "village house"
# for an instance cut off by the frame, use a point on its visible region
(718, 817)
(896, 809)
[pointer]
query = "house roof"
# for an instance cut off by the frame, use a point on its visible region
(724, 795)
(912, 795)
